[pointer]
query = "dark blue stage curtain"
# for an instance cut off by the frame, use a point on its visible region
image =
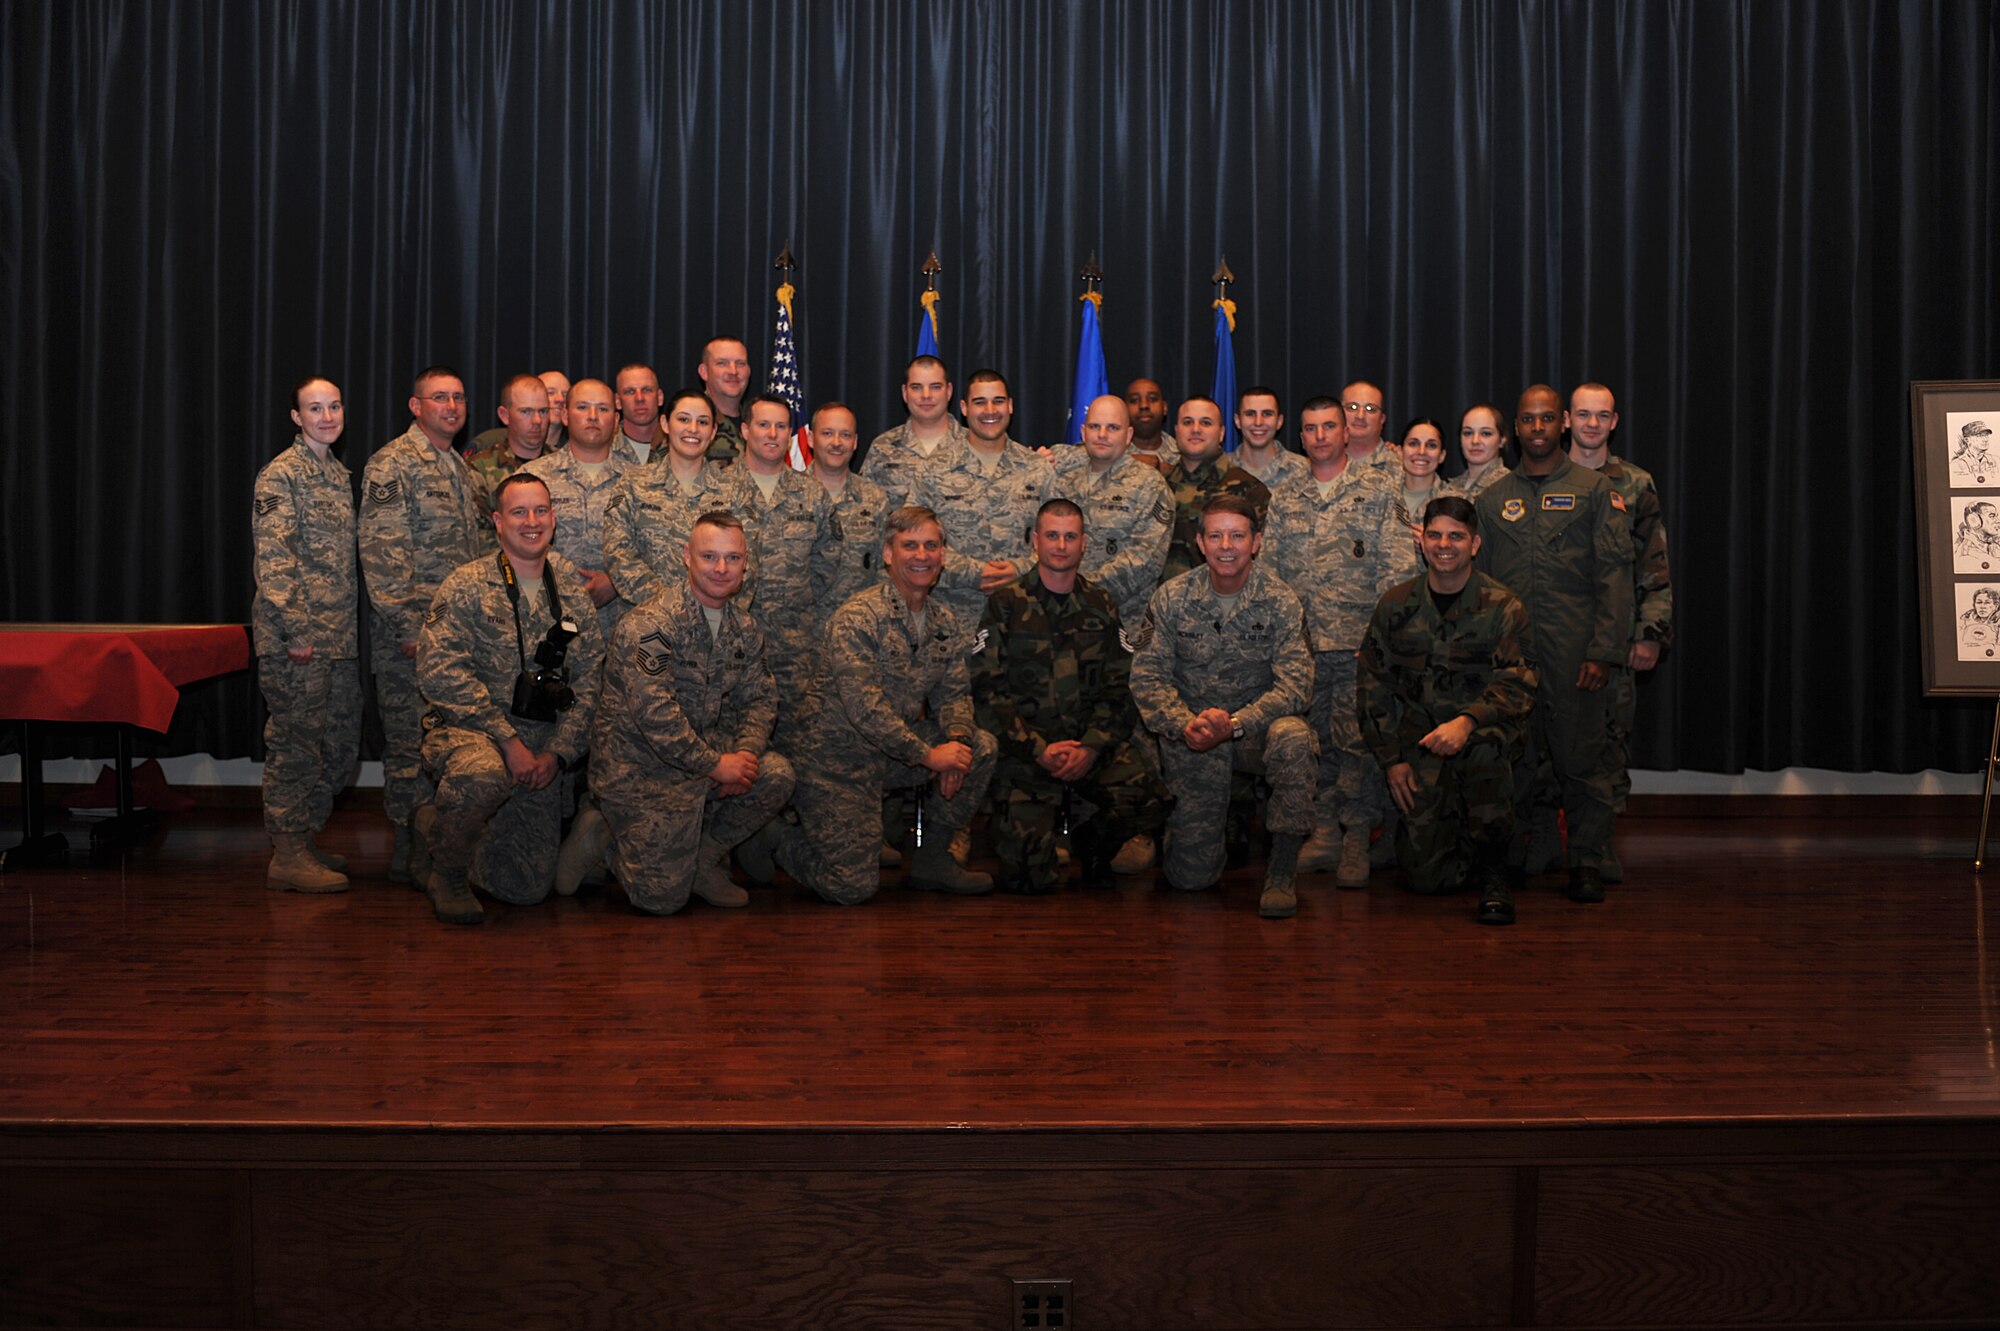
(1757, 221)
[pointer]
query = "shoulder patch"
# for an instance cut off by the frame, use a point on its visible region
(1558, 503)
(1513, 510)
(435, 613)
(978, 642)
(1125, 640)
(1163, 512)
(385, 492)
(1136, 642)
(267, 504)
(1618, 501)
(655, 654)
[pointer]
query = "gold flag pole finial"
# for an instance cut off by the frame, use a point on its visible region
(1223, 279)
(785, 263)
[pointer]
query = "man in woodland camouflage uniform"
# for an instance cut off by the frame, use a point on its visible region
(524, 411)
(1050, 676)
(1202, 473)
(1444, 695)
(420, 519)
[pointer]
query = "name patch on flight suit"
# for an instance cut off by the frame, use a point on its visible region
(1558, 503)
(1514, 510)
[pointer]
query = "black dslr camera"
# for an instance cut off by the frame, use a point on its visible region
(543, 690)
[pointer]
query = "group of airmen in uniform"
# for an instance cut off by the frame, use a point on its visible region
(627, 638)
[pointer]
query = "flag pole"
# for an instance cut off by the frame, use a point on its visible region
(927, 323)
(1223, 389)
(784, 377)
(1091, 381)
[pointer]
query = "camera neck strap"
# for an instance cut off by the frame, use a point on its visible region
(513, 585)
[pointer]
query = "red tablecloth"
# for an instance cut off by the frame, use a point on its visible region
(111, 672)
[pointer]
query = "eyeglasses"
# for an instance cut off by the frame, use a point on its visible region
(1365, 408)
(446, 399)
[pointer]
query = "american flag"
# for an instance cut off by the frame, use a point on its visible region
(784, 379)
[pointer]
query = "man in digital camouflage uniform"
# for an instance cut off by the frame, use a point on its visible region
(496, 818)
(1128, 514)
(897, 713)
(1444, 695)
(1223, 677)
(681, 754)
(581, 481)
(985, 492)
(1050, 676)
(895, 454)
(420, 519)
(303, 625)
(1336, 540)
(795, 548)
(639, 405)
(1556, 535)
(860, 510)
(1152, 443)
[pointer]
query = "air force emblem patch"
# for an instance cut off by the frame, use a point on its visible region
(1513, 510)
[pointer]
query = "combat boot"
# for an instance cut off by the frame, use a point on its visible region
(421, 822)
(1586, 885)
(758, 854)
(1354, 861)
(451, 897)
(1280, 900)
(711, 877)
(1383, 855)
(1135, 856)
(1496, 897)
(932, 869)
(399, 857)
(583, 850)
(888, 857)
(1322, 850)
(1545, 847)
(293, 868)
(1613, 870)
(337, 863)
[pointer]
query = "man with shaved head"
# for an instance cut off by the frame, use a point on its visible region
(1203, 472)
(580, 480)
(524, 420)
(1557, 535)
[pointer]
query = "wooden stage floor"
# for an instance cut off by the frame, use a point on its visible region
(1758, 1084)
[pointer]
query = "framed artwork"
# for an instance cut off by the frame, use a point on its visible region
(1955, 433)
